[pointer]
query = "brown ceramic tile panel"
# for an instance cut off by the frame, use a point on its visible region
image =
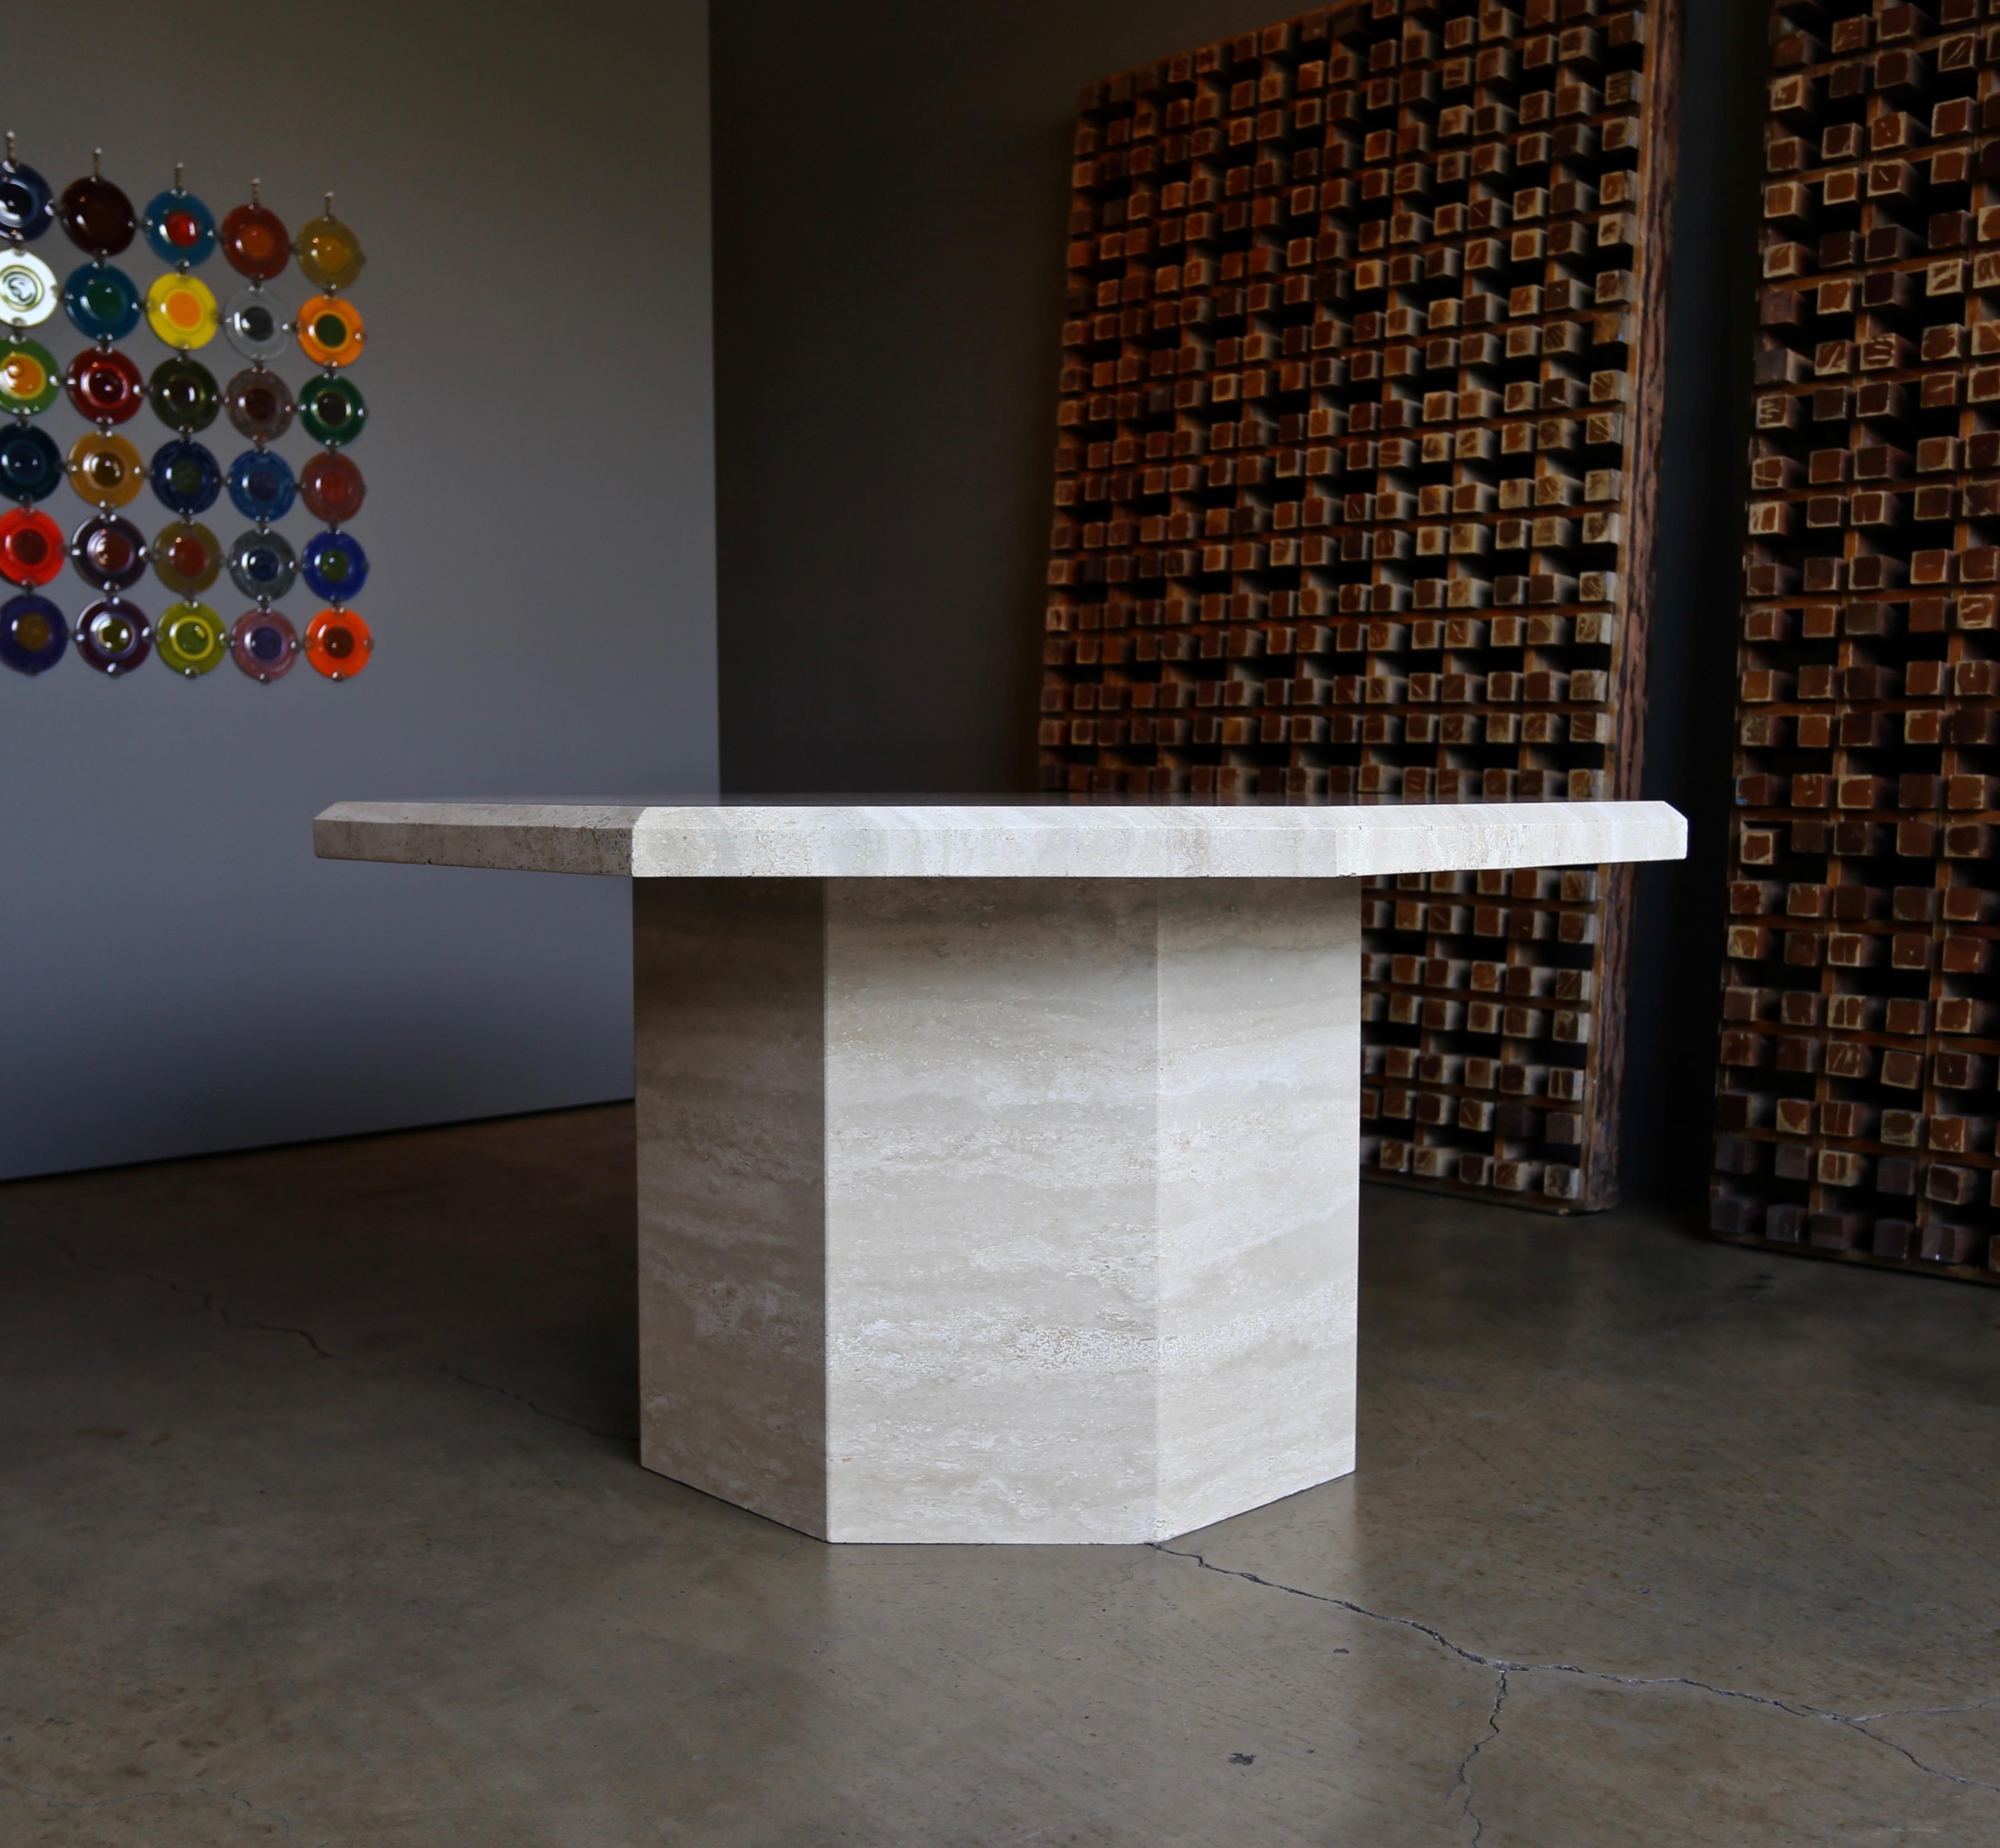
(1359, 428)
(1861, 1036)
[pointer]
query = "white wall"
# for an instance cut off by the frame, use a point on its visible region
(177, 973)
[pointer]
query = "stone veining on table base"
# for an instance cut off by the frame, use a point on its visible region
(998, 1210)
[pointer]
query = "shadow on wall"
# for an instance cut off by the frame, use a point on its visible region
(1675, 1017)
(891, 192)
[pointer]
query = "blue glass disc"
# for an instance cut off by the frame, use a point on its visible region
(263, 565)
(102, 301)
(265, 643)
(186, 478)
(169, 212)
(32, 634)
(31, 466)
(335, 567)
(262, 484)
(27, 206)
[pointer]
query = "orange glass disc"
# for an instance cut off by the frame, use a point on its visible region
(330, 331)
(105, 470)
(338, 644)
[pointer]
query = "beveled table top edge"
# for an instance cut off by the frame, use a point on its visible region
(998, 840)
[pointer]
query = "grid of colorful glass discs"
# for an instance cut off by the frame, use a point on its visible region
(331, 334)
(107, 550)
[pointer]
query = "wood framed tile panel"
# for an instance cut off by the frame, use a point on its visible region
(1357, 449)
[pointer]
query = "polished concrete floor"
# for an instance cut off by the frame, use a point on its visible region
(319, 1523)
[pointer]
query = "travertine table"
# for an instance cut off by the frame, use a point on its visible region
(997, 1164)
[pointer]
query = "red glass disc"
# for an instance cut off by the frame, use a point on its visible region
(32, 549)
(255, 242)
(110, 553)
(105, 385)
(97, 216)
(332, 488)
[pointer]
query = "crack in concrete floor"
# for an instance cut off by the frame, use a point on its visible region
(207, 1300)
(1503, 1668)
(51, 1801)
(1464, 1780)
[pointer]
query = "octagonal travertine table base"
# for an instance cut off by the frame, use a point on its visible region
(997, 1166)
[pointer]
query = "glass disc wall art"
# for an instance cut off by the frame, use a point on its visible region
(187, 558)
(259, 319)
(259, 404)
(329, 253)
(31, 466)
(31, 548)
(191, 639)
(113, 636)
(32, 634)
(28, 383)
(105, 386)
(186, 476)
(105, 470)
(186, 397)
(263, 644)
(331, 332)
(180, 310)
(332, 488)
(27, 205)
(253, 243)
(102, 301)
(253, 324)
(263, 565)
(28, 293)
(262, 485)
(335, 567)
(109, 553)
(97, 216)
(338, 644)
(332, 410)
(179, 228)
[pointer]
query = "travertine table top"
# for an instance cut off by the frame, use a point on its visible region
(997, 840)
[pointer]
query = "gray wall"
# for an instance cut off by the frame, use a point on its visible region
(531, 189)
(891, 186)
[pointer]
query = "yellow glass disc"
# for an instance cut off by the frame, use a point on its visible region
(180, 310)
(191, 639)
(105, 470)
(330, 331)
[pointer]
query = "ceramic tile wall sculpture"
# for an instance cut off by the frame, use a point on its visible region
(1860, 1038)
(107, 629)
(1359, 424)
